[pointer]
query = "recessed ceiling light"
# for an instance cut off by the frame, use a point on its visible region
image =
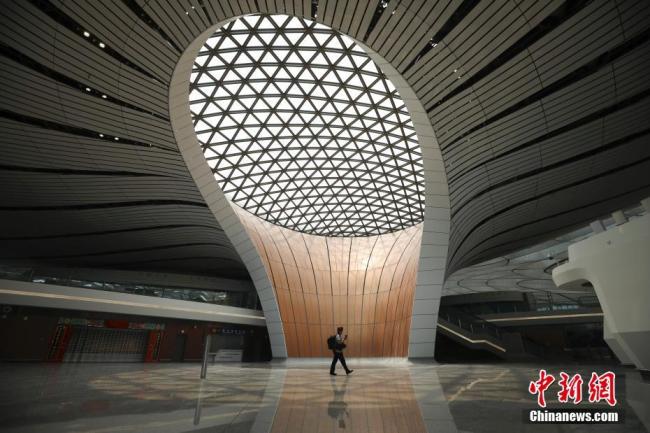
(102, 45)
(117, 138)
(86, 34)
(101, 135)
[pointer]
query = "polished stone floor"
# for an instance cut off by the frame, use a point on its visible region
(383, 397)
(492, 398)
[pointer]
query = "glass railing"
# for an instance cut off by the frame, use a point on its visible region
(543, 302)
(555, 302)
(219, 297)
(468, 322)
(479, 327)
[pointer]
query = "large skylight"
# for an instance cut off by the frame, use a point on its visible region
(302, 129)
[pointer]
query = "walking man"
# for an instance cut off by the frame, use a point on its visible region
(337, 350)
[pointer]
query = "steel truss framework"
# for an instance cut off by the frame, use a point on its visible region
(302, 129)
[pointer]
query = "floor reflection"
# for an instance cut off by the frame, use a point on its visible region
(103, 398)
(496, 395)
(372, 399)
(262, 398)
(337, 408)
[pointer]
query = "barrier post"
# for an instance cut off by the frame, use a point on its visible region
(206, 351)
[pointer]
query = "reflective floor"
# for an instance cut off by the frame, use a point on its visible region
(492, 398)
(280, 398)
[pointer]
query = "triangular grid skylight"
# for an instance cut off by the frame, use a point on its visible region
(317, 139)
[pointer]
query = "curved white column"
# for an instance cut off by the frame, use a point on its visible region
(435, 238)
(612, 341)
(188, 144)
(617, 263)
(435, 230)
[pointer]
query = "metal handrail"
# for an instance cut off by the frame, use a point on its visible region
(469, 322)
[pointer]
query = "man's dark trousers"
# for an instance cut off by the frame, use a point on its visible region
(338, 356)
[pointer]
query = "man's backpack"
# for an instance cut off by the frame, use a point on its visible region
(331, 342)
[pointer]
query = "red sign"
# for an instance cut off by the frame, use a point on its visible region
(119, 324)
(600, 387)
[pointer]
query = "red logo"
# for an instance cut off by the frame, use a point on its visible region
(540, 386)
(603, 387)
(600, 387)
(571, 388)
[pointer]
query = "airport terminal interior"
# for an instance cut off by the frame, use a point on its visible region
(196, 195)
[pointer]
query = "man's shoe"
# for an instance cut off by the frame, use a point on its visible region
(349, 371)
(333, 374)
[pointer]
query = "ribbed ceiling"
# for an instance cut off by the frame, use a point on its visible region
(540, 109)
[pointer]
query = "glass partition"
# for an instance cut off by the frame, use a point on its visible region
(220, 297)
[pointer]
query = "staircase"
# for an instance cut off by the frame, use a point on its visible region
(476, 333)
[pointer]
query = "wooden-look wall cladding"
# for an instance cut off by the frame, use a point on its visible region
(365, 284)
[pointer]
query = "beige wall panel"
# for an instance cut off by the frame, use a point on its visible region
(307, 279)
(368, 309)
(340, 253)
(356, 280)
(304, 346)
(365, 284)
(355, 342)
(378, 337)
(317, 341)
(278, 274)
(339, 282)
(340, 309)
(299, 309)
(381, 307)
(293, 277)
(284, 301)
(326, 308)
(371, 283)
(357, 310)
(323, 282)
(311, 306)
(291, 337)
(319, 253)
(366, 338)
(383, 278)
(389, 333)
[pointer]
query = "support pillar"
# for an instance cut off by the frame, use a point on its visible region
(617, 263)
(206, 353)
